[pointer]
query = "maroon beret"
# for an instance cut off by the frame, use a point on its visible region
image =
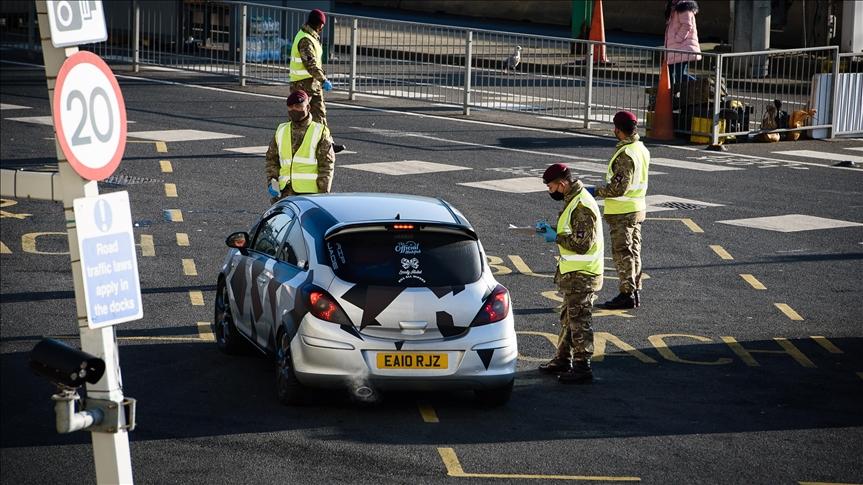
(622, 117)
(555, 172)
(297, 97)
(317, 17)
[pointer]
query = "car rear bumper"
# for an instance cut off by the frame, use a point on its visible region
(325, 355)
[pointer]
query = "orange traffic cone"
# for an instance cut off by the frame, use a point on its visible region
(597, 33)
(662, 127)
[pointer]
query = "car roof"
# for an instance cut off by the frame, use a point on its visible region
(370, 207)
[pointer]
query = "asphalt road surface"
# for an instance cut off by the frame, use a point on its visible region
(744, 364)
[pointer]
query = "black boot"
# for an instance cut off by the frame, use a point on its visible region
(637, 295)
(579, 374)
(622, 301)
(338, 148)
(555, 365)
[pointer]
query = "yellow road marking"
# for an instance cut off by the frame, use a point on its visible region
(189, 268)
(170, 190)
(5, 215)
(720, 251)
(196, 297)
(427, 412)
(454, 469)
(161, 147)
(176, 215)
(788, 311)
(828, 345)
(753, 281)
(28, 242)
(794, 352)
(686, 221)
(495, 263)
(147, 248)
(4, 249)
(523, 268)
(205, 332)
(166, 166)
(182, 239)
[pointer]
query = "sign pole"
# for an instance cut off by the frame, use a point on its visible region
(110, 450)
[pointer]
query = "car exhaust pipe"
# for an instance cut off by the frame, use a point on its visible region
(364, 393)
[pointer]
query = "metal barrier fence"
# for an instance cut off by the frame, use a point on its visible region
(574, 80)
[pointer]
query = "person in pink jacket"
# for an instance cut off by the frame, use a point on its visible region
(681, 34)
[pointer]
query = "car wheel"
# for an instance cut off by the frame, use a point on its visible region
(227, 338)
(288, 387)
(494, 396)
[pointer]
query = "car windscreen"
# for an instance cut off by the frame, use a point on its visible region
(405, 258)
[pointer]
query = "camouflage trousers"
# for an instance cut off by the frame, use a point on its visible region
(576, 334)
(625, 232)
(316, 98)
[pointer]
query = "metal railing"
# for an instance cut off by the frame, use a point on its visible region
(715, 97)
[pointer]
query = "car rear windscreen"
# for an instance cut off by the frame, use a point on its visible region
(405, 258)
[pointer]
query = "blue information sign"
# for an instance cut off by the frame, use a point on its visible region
(109, 263)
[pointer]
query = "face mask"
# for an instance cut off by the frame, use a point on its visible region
(556, 195)
(297, 115)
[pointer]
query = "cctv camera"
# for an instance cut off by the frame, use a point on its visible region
(64, 365)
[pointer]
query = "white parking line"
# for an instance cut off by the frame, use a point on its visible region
(701, 167)
(5, 106)
(840, 157)
(181, 135)
(405, 167)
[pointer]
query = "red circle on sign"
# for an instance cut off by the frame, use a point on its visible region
(89, 173)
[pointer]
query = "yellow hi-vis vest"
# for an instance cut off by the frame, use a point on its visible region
(591, 262)
(298, 69)
(633, 199)
(299, 169)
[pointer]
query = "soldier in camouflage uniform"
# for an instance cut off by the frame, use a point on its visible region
(625, 208)
(301, 123)
(579, 240)
(307, 69)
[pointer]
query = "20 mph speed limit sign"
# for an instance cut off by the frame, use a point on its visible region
(90, 116)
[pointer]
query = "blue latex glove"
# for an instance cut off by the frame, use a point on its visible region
(591, 189)
(273, 188)
(327, 85)
(550, 235)
(542, 226)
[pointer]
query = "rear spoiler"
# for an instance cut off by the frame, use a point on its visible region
(399, 225)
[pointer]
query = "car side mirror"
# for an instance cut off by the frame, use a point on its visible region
(238, 240)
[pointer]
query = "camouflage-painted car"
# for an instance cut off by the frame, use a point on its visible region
(368, 292)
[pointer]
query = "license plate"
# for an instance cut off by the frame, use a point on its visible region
(411, 360)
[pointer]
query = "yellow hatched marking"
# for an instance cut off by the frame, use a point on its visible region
(427, 412)
(161, 147)
(205, 332)
(4, 249)
(170, 190)
(196, 297)
(189, 268)
(753, 281)
(182, 239)
(454, 469)
(523, 268)
(166, 166)
(720, 251)
(147, 247)
(828, 345)
(788, 311)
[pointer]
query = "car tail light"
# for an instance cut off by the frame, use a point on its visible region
(325, 307)
(495, 308)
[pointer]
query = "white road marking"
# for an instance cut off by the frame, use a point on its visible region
(181, 135)
(438, 117)
(859, 149)
(261, 150)
(701, 167)
(5, 106)
(790, 223)
(42, 120)
(519, 185)
(841, 157)
(405, 167)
